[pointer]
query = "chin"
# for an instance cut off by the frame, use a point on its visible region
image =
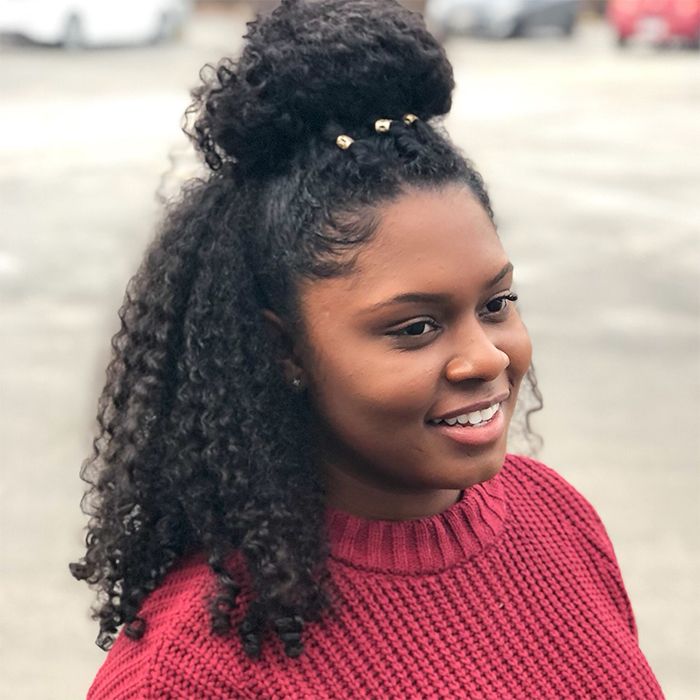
(486, 468)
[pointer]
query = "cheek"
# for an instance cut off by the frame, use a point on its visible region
(371, 384)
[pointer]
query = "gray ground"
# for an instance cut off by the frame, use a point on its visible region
(592, 159)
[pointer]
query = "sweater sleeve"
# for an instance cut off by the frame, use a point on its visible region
(164, 672)
(583, 522)
(177, 658)
(610, 572)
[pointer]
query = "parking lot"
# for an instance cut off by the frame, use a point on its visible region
(590, 154)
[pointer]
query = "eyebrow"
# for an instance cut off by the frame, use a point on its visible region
(427, 297)
(508, 267)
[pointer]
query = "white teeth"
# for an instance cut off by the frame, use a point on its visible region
(473, 418)
(490, 412)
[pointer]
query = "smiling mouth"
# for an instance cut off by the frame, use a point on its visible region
(472, 419)
(475, 429)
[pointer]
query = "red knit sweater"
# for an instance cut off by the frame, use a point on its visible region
(513, 592)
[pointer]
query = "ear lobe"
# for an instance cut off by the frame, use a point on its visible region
(283, 344)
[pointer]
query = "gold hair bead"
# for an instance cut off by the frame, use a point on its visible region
(382, 126)
(344, 141)
(409, 118)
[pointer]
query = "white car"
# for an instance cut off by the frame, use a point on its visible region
(82, 23)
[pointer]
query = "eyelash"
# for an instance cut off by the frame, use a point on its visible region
(503, 298)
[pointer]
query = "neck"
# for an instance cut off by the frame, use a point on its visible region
(351, 494)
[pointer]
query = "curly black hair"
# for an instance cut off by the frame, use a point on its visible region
(201, 445)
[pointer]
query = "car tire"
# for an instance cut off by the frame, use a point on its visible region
(73, 34)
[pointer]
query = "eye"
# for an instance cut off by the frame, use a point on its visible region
(417, 328)
(498, 306)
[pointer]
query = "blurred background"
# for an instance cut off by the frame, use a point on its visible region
(584, 121)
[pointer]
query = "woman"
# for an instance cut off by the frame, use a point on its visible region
(301, 487)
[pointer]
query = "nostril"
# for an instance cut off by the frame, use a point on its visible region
(485, 363)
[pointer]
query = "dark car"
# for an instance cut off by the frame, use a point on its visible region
(500, 18)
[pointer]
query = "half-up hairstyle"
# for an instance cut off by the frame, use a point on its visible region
(202, 446)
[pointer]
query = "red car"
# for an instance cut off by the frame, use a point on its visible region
(657, 21)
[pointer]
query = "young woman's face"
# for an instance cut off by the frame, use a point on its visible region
(422, 331)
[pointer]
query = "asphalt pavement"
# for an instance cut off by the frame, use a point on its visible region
(591, 156)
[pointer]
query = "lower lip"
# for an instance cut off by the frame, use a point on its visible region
(481, 434)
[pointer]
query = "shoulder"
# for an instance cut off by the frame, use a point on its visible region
(547, 506)
(529, 472)
(177, 657)
(537, 491)
(524, 475)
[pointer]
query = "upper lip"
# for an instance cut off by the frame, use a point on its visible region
(500, 398)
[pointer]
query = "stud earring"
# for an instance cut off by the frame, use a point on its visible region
(296, 383)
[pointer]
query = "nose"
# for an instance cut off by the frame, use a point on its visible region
(478, 358)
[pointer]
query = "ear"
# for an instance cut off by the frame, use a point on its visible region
(285, 346)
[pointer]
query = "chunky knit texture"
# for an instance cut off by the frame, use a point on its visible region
(513, 592)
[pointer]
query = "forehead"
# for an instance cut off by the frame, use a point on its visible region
(426, 236)
(437, 225)
(440, 241)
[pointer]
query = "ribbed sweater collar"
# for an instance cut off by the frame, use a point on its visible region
(422, 545)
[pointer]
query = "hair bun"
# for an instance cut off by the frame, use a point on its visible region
(311, 64)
